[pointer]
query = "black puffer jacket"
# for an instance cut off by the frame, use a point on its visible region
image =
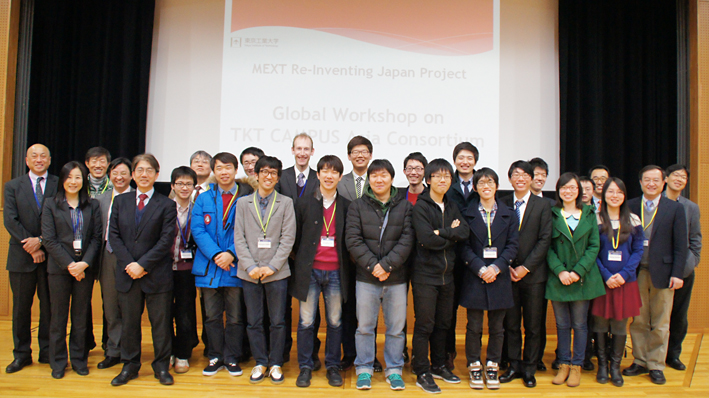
(365, 220)
(434, 257)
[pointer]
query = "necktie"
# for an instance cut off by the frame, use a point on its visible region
(196, 191)
(466, 189)
(141, 204)
(359, 186)
(650, 205)
(301, 180)
(518, 209)
(39, 195)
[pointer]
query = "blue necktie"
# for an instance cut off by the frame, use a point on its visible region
(38, 194)
(518, 210)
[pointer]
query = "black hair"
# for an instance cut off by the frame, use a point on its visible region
(418, 156)
(676, 167)
(522, 165)
(539, 162)
(270, 162)
(649, 168)
(98, 151)
(359, 140)
(224, 157)
(332, 162)
(64, 175)
(381, 164)
(437, 165)
(252, 150)
(599, 167)
(583, 179)
(466, 146)
(182, 171)
(626, 227)
(485, 172)
(119, 161)
(563, 180)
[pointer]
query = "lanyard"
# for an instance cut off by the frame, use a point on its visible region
(258, 213)
(225, 216)
(489, 232)
(563, 215)
(642, 214)
(616, 241)
(328, 225)
(303, 189)
(183, 231)
(76, 218)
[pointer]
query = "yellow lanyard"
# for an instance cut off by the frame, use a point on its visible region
(489, 232)
(328, 225)
(642, 214)
(258, 212)
(228, 208)
(616, 241)
(563, 215)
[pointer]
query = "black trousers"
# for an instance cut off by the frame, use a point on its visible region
(69, 296)
(529, 305)
(678, 318)
(433, 308)
(458, 272)
(184, 312)
(24, 285)
(349, 321)
(160, 314)
(474, 331)
(225, 341)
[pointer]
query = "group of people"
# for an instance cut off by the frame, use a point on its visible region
(253, 244)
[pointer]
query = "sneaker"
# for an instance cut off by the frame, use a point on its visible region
(215, 365)
(364, 381)
(333, 377)
(395, 382)
(182, 365)
(425, 382)
(277, 376)
(304, 377)
(258, 373)
(491, 371)
(172, 361)
(476, 375)
(234, 369)
(444, 374)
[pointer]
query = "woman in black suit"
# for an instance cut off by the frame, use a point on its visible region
(71, 229)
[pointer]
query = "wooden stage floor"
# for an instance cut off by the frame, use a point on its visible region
(36, 381)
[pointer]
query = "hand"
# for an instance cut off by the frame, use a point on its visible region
(255, 273)
(489, 275)
(565, 278)
(135, 270)
(38, 256)
(574, 276)
(266, 272)
(80, 277)
(77, 268)
(378, 271)
(224, 260)
(455, 223)
(384, 277)
(521, 272)
(437, 232)
(676, 283)
(31, 245)
(513, 275)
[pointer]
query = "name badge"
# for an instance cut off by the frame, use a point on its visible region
(77, 245)
(646, 242)
(490, 252)
(186, 254)
(615, 255)
(326, 241)
(264, 243)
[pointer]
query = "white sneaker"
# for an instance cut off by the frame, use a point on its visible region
(277, 376)
(182, 365)
(476, 376)
(491, 371)
(257, 374)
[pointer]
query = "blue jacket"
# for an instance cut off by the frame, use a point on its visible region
(212, 238)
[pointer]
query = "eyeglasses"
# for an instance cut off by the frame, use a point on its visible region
(679, 176)
(570, 188)
(141, 171)
(200, 161)
(649, 180)
(362, 152)
(519, 175)
(249, 163)
(181, 185)
(100, 161)
(599, 179)
(417, 169)
(489, 183)
(444, 177)
(272, 173)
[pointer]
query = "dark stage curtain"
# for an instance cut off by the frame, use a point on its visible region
(618, 81)
(89, 76)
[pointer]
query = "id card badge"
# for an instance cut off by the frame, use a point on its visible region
(326, 241)
(614, 255)
(264, 243)
(186, 254)
(646, 242)
(77, 245)
(490, 252)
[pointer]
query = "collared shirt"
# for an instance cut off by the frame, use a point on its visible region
(470, 186)
(327, 203)
(523, 207)
(203, 188)
(231, 191)
(540, 194)
(655, 202)
(483, 212)
(43, 183)
(77, 221)
(305, 173)
(149, 193)
(108, 221)
(596, 203)
(263, 203)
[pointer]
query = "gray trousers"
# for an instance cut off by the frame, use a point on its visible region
(111, 309)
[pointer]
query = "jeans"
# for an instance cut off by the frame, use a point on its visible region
(433, 308)
(327, 282)
(275, 293)
(224, 341)
(392, 299)
(571, 315)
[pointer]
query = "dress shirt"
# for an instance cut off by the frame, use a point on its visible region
(305, 174)
(327, 203)
(470, 187)
(655, 202)
(138, 193)
(43, 183)
(522, 208)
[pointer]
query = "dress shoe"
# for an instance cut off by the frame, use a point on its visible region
(304, 377)
(529, 380)
(510, 375)
(17, 365)
(334, 378)
(504, 364)
(43, 359)
(58, 374)
(377, 366)
(81, 371)
(676, 364)
(657, 377)
(555, 365)
(109, 362)
(587, 365)
(541, 367)
(165, 378)
(346, 363)
(634, 370)
(317, 365)
(123, 378)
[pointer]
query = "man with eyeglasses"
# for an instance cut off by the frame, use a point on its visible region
(414, 166)
(200, 162)
(248, 159)
(660, 273)
(676, 179)
(599, 174)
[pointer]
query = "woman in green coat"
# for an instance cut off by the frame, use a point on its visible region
(574, 279)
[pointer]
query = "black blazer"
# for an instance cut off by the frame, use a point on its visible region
(309, 219)
(288, 186)
(22, 219)
(668, 241)
(58, 234)
(534, 237)
(148, 244)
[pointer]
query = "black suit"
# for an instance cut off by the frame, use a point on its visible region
(147, 243)
(58, 234)
(528, 294)
(22, 220)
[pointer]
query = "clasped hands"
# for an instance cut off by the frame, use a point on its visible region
(615, 281)
(261, 273)
(568, 278)
(379, 273)
(32, 246)
(76, 269)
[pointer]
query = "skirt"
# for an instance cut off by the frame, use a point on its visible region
(619, 303)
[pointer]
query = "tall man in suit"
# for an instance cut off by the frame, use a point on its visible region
(141, 235)
(659, 274)
(599, 174)
(26, 259)
(529, 273)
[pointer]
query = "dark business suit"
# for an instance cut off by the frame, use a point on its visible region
(148, 243)
(528, 293)
(22, 220)
(58, 234)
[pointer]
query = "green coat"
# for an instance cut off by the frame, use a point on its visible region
(575, 253)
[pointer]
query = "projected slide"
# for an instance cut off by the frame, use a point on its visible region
(411, 75)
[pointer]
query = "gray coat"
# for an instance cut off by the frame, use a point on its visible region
(694, 232)
(247, 232)
(347, 187)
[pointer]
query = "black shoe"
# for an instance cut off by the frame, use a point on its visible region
(510, 375)
(334, 378)
(346, 363)
(43, 359)
(58, 374)
(657, 377)
(165, 378)
(450, 360)
(304, 377)
(634, 370)
(587, 365)
(317, 365)
(286, 357)
(406, 355)
(81, 371)
(676, 364)
(425, 382)
(123, 378)
(504, 364)
(528, 380)
(109, 362)
(17, 365)
(444, 374)
(554, 365)
(377, 366)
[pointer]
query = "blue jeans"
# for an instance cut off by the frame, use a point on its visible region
(327, 282)
(393, 302)
(275, 293)
(571, 315)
